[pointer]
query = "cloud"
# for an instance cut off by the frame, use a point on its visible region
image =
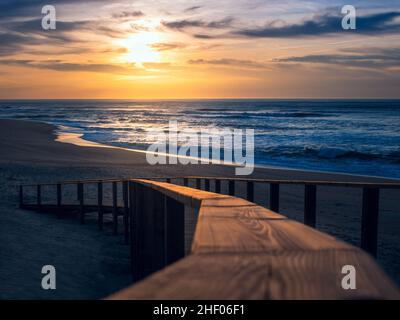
(58, 65)
(167, 46)
(191, 9)
(128, 14)
(325, 25)
(9, 9)
(184, 24)
(15, 35)
(229, 62)
(368, 59)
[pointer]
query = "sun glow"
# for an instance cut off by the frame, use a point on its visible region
(139, 48)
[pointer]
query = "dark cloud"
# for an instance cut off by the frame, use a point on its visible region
(128, 14)
(203, 36)
(191, 9)
(58, 65)
(184, 24)
(375, 58)
(229, 62)
(167, 46)
(325, 25)
(33, 8)
(15, 35)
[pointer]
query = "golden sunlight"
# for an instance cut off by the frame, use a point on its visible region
(139, 48)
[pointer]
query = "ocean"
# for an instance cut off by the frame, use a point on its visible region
(347, 136)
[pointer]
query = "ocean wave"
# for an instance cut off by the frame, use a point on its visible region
(243, 115)
(330, 153)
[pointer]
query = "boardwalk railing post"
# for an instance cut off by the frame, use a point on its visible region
(175, 230)
(310, 200)
(21, 196)
(250, 191)
(231, 187)
(125, 196)
(198, 183)
(158, 226)
(100, 204)
(207, 184)
(369, 220)
(274, 197)
(134, 248)
(115, 207)
(39, 195)
(81, 203)
(59, 199)
(217, 186)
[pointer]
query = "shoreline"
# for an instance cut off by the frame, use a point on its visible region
(78, 139)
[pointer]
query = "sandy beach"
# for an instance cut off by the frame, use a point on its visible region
(93, 264)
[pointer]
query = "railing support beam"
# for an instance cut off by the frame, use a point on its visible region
(310, 200)
(231, 188)
(274, 197)
(100, 204)
(115, 207)
(125, 195)
(250, 191)
(369, 220)
(217, 186)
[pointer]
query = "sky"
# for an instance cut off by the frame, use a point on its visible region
(162, 49)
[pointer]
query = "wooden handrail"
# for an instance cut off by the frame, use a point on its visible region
(382, 185)
(239, 251)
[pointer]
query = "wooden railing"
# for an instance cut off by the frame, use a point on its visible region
(210, 245)
(370, 200)
(369, 205)
(235, 250)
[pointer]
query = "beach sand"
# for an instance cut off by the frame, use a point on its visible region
(92, 264)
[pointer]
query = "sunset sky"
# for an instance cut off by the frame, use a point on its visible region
(199, 49)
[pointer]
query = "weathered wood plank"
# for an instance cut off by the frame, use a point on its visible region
(243, 251)
(289, 275)
(220, 234)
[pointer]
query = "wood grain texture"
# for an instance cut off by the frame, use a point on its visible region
(243, 251)
(288, 275)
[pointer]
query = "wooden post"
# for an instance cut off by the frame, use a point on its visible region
(185, 182)
(100, 204)
(231, 187)
(198, 183)
(157, 241)
(175, 230)
(81, 203)
(125, 196)
(115, 207)
(274, 197)
(21, 196)
(369, 221)
(207, 184)
(250, 191)
(134, 248)
(310, 205)
(217, 186)
(39, 195)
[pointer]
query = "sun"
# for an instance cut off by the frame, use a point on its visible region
(139, 48)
